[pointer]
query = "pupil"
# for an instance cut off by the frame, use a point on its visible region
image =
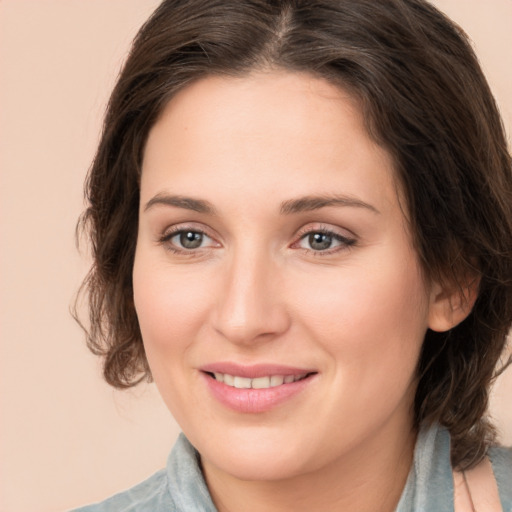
(320, 241)
(191, 239)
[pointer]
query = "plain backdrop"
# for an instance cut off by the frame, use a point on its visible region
(66, 438)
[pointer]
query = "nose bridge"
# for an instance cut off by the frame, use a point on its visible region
(251, 304)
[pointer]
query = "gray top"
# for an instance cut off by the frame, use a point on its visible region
(181, 486)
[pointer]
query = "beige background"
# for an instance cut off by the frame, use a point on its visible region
(66, 438)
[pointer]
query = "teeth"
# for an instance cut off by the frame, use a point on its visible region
(276, 380)
(261, 383)
(258, 382)
(242, 383)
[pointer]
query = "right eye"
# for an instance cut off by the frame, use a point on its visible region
(186, 240)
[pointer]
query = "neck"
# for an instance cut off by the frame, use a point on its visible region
(368, 478)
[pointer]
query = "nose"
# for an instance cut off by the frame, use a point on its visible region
(251, 305)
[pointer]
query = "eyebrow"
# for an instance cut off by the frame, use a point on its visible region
(291, 206)
(187, 203)
(311, 203)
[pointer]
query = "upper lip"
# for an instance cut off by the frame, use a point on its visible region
(255, 370)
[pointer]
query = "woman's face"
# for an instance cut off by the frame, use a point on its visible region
(280, 300)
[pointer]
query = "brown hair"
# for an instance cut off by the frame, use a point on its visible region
(424, 99)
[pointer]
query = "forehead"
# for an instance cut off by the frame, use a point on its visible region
(264, 130)
(280, 103)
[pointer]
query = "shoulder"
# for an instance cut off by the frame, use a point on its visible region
(151, 495)
(501, 460)
(180, 487)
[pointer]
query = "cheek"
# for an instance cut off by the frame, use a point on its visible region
(364, 304)
(170, 306)
(171, 309)
(369, 318)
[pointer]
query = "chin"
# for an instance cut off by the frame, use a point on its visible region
(273, 467)
(257, 457)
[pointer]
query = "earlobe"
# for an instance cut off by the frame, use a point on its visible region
(451, 304)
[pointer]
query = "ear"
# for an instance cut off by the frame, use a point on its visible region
(451, 303)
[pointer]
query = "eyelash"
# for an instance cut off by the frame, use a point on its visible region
(345, 242)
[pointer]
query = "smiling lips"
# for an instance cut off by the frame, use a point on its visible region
(255, 389)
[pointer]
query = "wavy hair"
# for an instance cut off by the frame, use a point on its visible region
(424, 99)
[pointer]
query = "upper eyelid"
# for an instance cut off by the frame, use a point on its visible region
(185, 226)
(325, 228)
(173, 233)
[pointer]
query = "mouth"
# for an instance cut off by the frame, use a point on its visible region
(263, 382)
(258, 388)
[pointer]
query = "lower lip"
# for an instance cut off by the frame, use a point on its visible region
(255, 400)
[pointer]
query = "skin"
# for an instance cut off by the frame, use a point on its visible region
(256, 291)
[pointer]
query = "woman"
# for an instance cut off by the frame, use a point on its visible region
(301, 216)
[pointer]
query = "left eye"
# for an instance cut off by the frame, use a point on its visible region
(321, 241)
